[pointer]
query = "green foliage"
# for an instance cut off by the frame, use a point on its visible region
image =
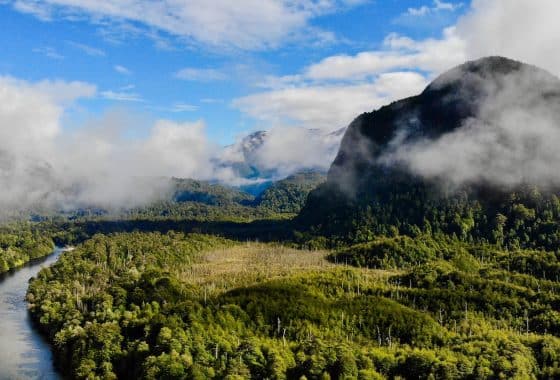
(389, 203)
(22, 242)
(396, 252)
(150, 305)
(289, 195)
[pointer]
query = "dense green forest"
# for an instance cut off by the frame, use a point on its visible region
(151, 305)
(289, 195)
(191, 206)
(383, 273)
(22, 242)
(526, 217)
(368, 194)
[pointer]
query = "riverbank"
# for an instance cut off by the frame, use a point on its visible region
(24, 353)
(21, 243)
(13, 257)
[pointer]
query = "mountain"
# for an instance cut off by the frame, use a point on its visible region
(473, 155)
(289, 195)
(240, 157)
(266, 156)
(190, 190)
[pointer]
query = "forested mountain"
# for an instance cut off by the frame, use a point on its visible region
(442, 214)
(290, 194)
(192, 199)
(474, 155)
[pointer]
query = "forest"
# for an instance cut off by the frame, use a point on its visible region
(374, 272)
(424, 290)
(22, 242)
(192, 205)
(174, 305)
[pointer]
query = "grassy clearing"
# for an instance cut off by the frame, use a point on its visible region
(247, 264)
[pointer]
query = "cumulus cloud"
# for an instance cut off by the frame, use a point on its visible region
(430, 55)
(326, 106)
(123, 173)
(279, 152)
(43, 164)
(246, 24)
(520, 29)
(282, 151)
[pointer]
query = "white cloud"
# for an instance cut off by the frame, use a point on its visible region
(122, 96)
(283, 153)
(122, 70)
(328, 106)
(520, 29)
(30, 112)
(89, 50)
(341, 86)
(512, 139)
(30, 116)
(184, 107)
(401, 53)
(43, 163)
(64, 93)
(200, 75)
(245, 24)
(438, 5)
(49, 52)
(211, 100)
(38, 10)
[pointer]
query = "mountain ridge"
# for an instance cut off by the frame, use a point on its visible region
(440, 160)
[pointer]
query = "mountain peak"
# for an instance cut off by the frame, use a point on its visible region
(490, 125)
(484, 73)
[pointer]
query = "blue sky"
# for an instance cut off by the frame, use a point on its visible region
(100, 94)
(150, 71)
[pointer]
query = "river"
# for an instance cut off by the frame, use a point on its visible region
(24, 354)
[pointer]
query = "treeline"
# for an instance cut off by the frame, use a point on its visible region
(175, 306)
(22, 242)
(388, 204)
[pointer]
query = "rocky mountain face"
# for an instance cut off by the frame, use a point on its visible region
(264, 155)
(452, 157)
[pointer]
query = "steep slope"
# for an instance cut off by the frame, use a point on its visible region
(289, 195)
(474, 154)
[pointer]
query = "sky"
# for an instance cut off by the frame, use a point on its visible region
(97, 92)
(205, 60)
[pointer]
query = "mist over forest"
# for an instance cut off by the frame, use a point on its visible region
(280, 189)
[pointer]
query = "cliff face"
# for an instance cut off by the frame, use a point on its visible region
(452, 101)
(479, 131)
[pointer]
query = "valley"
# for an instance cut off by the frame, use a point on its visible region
(393, 266)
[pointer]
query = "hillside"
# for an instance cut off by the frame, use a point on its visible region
(473, 155)
(290, 194)
(175, 306)
(433, 272)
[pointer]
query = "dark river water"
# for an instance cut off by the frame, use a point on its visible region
(24, 354)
